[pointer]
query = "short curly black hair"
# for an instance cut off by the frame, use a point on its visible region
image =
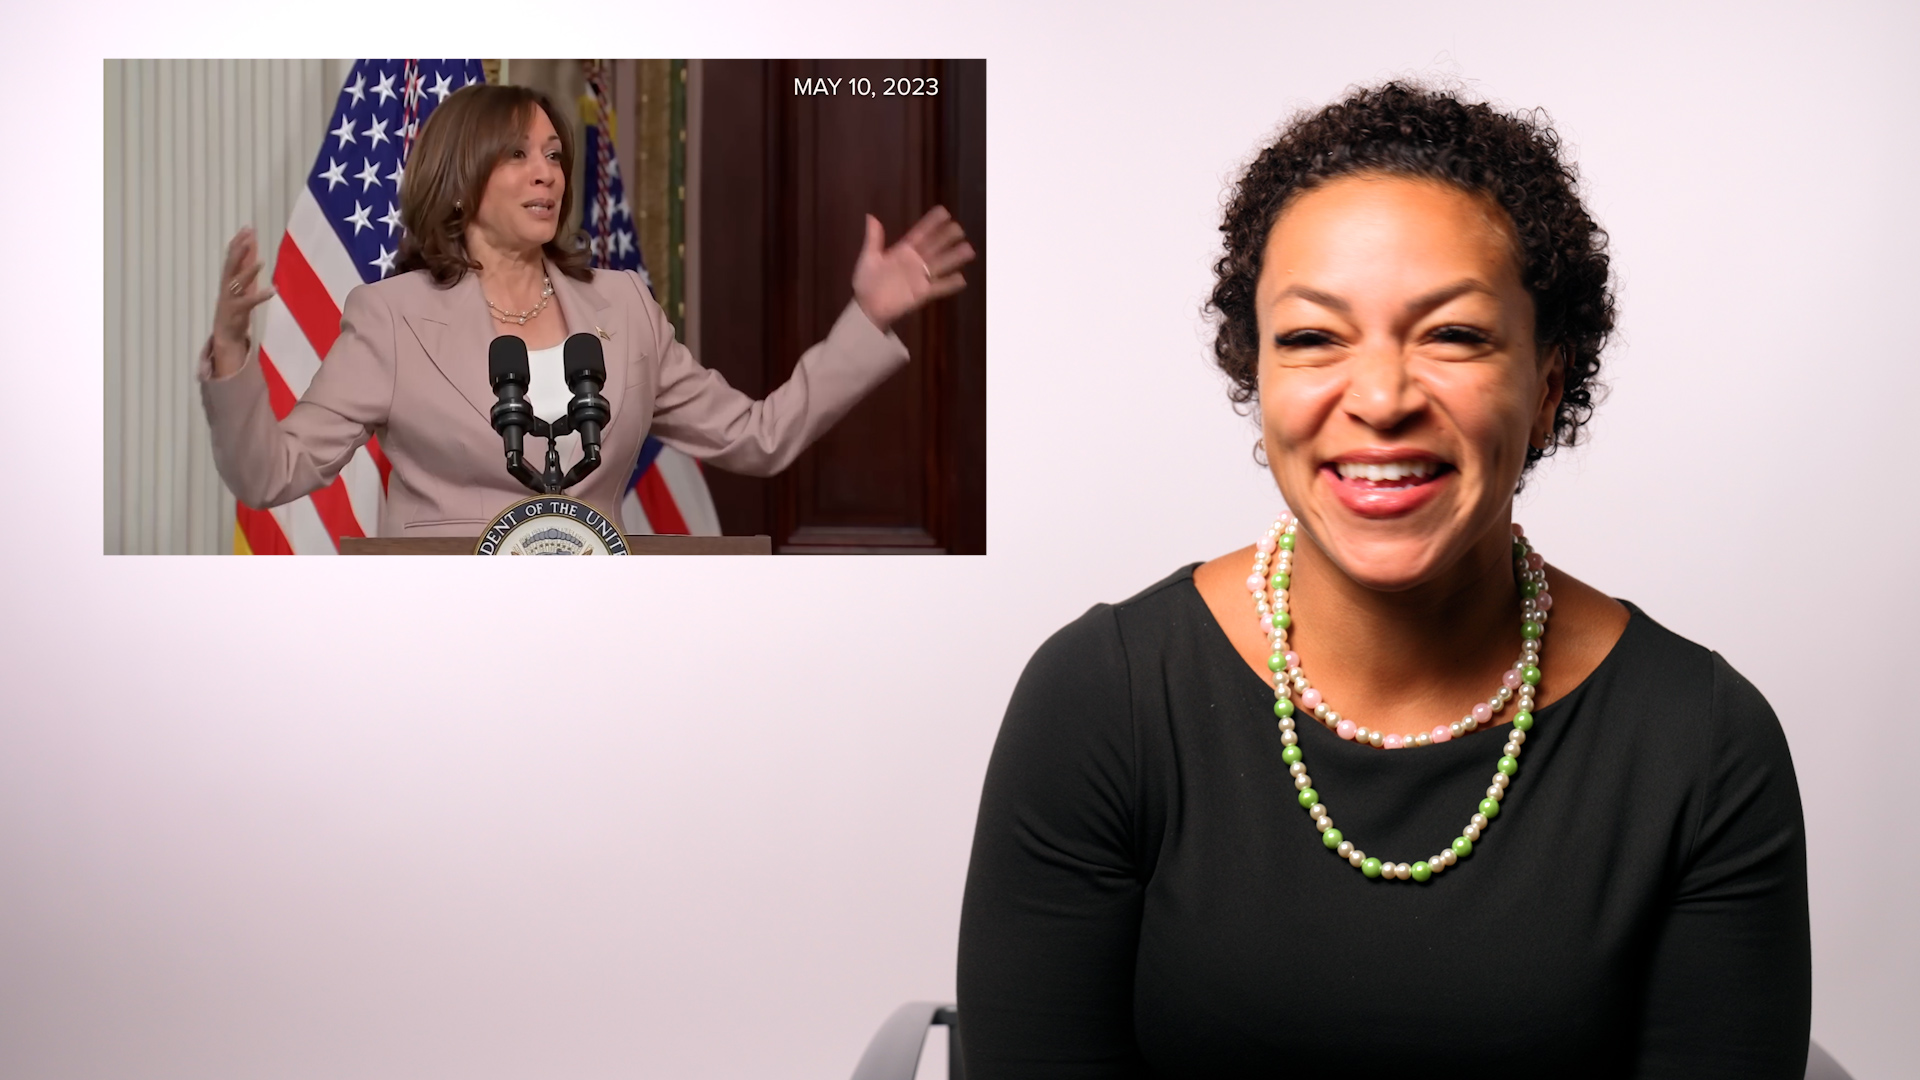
(1404, 129)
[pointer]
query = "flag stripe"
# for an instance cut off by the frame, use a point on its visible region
(321, 249)
(305, 297)
(261, 532)
(657, 501)
(330, 502)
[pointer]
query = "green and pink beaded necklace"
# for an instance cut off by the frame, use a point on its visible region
(1290, 685)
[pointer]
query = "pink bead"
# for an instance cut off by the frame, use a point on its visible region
(1392, 742)
(1309, 699)
(1544, 601)
(1345, 729)
(1534, 561)
(1292, 659)
(1511, 680)
(1286, 518)
(1265, 546)
(1440, 733)
(1254, 583)
(1518, 532)
(1481, 712)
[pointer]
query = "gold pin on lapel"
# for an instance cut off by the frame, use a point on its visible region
(604, 336)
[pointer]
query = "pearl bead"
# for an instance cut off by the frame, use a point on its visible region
(1345, 849)
(1323, 824)
(1511, 748)
(1482, 713)
(1494, 793)
(1310, 699)
(1455, 729)
(1288, 738)
(1471, 832)
(1402, 871)
(1441, 733)
(1298, 768)
(1518, 737)
(1332, 718)
(1286, 724)
(1373, 739)
(1436, 864)
(1302, 782)
(1468, 723)
(1356, 857)
(1422, 739)
(1316, 811)
(1362, 734)
(1321, 709)
(1501, 780)
(1346, 730)
(1264, 545)
(1479, 821)
(1393, 742)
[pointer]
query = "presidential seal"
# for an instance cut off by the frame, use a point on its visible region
(551, 525)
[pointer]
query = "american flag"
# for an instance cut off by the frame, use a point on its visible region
(666, 493)
(344, 231)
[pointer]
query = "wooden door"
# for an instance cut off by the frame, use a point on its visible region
(785, 181)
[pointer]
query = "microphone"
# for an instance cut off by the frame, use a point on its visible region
(586, 371)
(509, 373)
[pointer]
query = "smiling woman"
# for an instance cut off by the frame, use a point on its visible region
(1414, 297)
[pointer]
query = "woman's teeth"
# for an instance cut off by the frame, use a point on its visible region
(1390, 470)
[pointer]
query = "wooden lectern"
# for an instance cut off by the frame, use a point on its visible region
(638, 545)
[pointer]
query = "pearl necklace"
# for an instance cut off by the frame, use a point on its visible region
(1289, 681)
(521, 317)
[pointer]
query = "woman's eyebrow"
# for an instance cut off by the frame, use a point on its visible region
(1418, 304)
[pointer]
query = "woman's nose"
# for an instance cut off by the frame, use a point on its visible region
(1381, 393)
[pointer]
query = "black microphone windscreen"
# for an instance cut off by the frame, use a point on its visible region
(583, 357)
(507, 361)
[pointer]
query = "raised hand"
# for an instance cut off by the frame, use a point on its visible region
(239, 294)
(892, 282)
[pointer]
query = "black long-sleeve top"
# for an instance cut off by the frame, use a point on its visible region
(1147, 897)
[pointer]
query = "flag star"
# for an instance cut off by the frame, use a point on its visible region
(377, 131)
(645, 278)
(399, 171)
(413, 88)
(368, 176)
(358, 89)
(626, 210)
(442, 86)
(358, 219)
(335, 174)
(599, 213)
(392, 220)
(470, 81)
(344, 132)
(626, 242)
(385, 89)
(385, 261)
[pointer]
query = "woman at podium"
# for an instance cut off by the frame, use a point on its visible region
(484, 197)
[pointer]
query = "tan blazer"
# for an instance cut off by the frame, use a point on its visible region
(410, 366)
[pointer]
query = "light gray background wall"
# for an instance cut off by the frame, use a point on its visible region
(329, 818)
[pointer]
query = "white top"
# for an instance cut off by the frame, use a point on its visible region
(547, 383)
(548, 394)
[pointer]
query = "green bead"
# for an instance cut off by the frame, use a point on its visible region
(1490, 808)
(1281, 581)
(1276, 662)
(1530, 589)
(1531, 676)
(1519, 549)
(1284, 708)
(1291, 754)
(1282, 619)
(1462, 846)
(1508, 765)
(1530, 630)
(1331, 838)
(1286, 541)
(1420, 871)
(1523, 721)
(1371, 868)
(1309, 797)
